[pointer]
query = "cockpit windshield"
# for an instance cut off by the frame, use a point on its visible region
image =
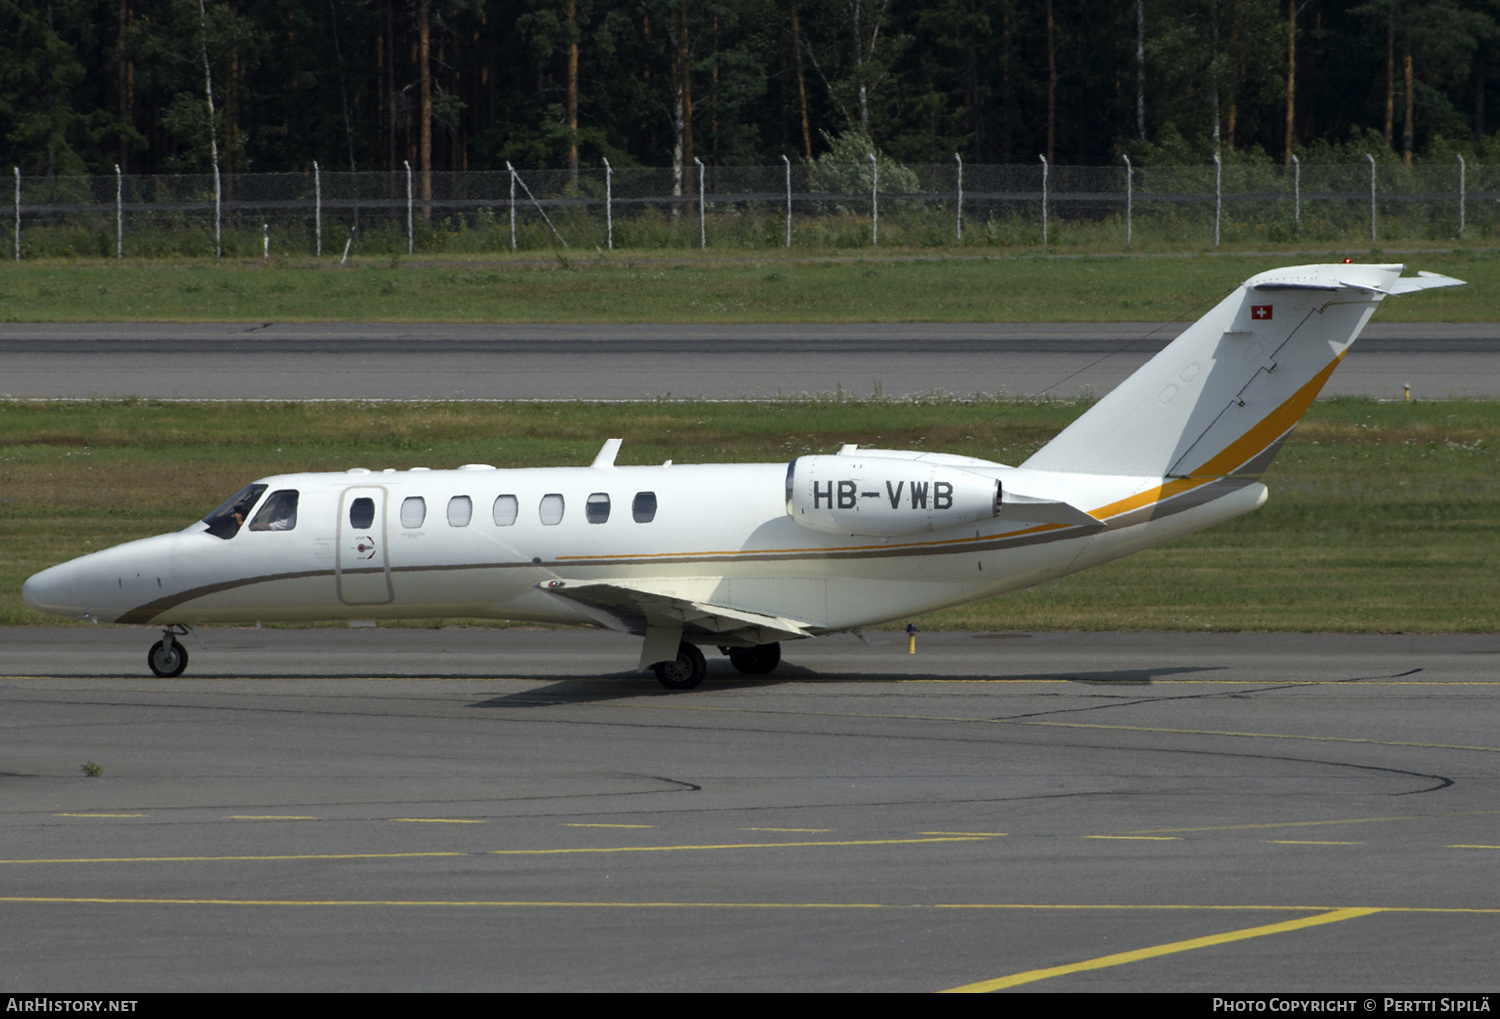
(225, 522)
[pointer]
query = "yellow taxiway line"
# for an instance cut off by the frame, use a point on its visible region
(1121, 958)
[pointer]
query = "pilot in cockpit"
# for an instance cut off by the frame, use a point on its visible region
(278, 514)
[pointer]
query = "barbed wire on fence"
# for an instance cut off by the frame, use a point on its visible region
(938, 205)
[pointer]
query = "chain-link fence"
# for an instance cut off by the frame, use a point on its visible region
(809, 206)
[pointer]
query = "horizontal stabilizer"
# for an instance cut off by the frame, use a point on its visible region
(1423, 281)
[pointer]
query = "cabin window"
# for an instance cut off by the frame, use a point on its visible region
(361, 513)
(278, 514)
(225, 521)
(643, 507)
(596, 510)
(505, 510)
(551, 509)
(460, 509)
(413, 512)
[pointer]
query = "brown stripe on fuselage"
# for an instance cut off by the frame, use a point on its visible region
(1207, 490)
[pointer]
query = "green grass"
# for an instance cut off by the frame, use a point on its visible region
(761, 286)
(1382, 516)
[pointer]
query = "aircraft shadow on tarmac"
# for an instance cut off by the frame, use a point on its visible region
(584, 690)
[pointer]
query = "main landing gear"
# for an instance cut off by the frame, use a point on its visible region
(167, 656)
(756, 661)
(683, 672)
(686, 671)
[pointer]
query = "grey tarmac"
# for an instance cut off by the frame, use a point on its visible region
(516, 809)
(353, 361)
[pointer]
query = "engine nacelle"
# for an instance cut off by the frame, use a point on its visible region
(890, 498)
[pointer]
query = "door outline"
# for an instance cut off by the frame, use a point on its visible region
(369, 576)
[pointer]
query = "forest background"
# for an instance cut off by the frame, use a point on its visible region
(160, 86)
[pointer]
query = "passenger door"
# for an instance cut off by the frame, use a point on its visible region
(362, 570)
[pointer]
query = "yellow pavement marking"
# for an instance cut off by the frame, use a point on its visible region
(1287, 824)
(1308, 842)
(892, 906)
(272, 817)
(235, 859)
(98, 815)
(1137, 838)
(489, 852)
(810, 831)
(1471, 847)
(438, 820)
(580, 824)
(1120, 958)
(730, 845)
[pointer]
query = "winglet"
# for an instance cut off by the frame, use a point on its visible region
(607, 453)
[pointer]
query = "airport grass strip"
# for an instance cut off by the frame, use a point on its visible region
(753, 287)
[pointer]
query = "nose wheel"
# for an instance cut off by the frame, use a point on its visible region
(167, 656)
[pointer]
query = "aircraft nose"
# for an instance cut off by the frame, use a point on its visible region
(51, 591)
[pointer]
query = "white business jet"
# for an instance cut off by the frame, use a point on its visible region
(744, 556)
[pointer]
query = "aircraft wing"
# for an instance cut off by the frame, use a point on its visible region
(643, 606)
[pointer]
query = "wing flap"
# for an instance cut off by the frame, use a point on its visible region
(638, 605)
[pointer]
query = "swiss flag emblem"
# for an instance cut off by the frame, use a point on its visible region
(1260, 312)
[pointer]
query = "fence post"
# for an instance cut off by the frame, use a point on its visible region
(1129, 198)
(960, 224)
(318, 204)
(119, 214)
(218, 214)
(1461, 197)
(609, 212)
(514, 177)
(1372, 198)
(788, 163)
(702, 227)
(874, 202)
(18, 214)
(1296, 196)
(1044, 201)
(512, 170)
(410, 237)
(1218, 195)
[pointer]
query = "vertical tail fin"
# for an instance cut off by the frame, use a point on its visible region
(1221, 398)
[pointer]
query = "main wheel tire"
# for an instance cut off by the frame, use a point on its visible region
(683, 672)
(756, 661)
(167, 661)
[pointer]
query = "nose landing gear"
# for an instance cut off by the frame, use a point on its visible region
(167, 657)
